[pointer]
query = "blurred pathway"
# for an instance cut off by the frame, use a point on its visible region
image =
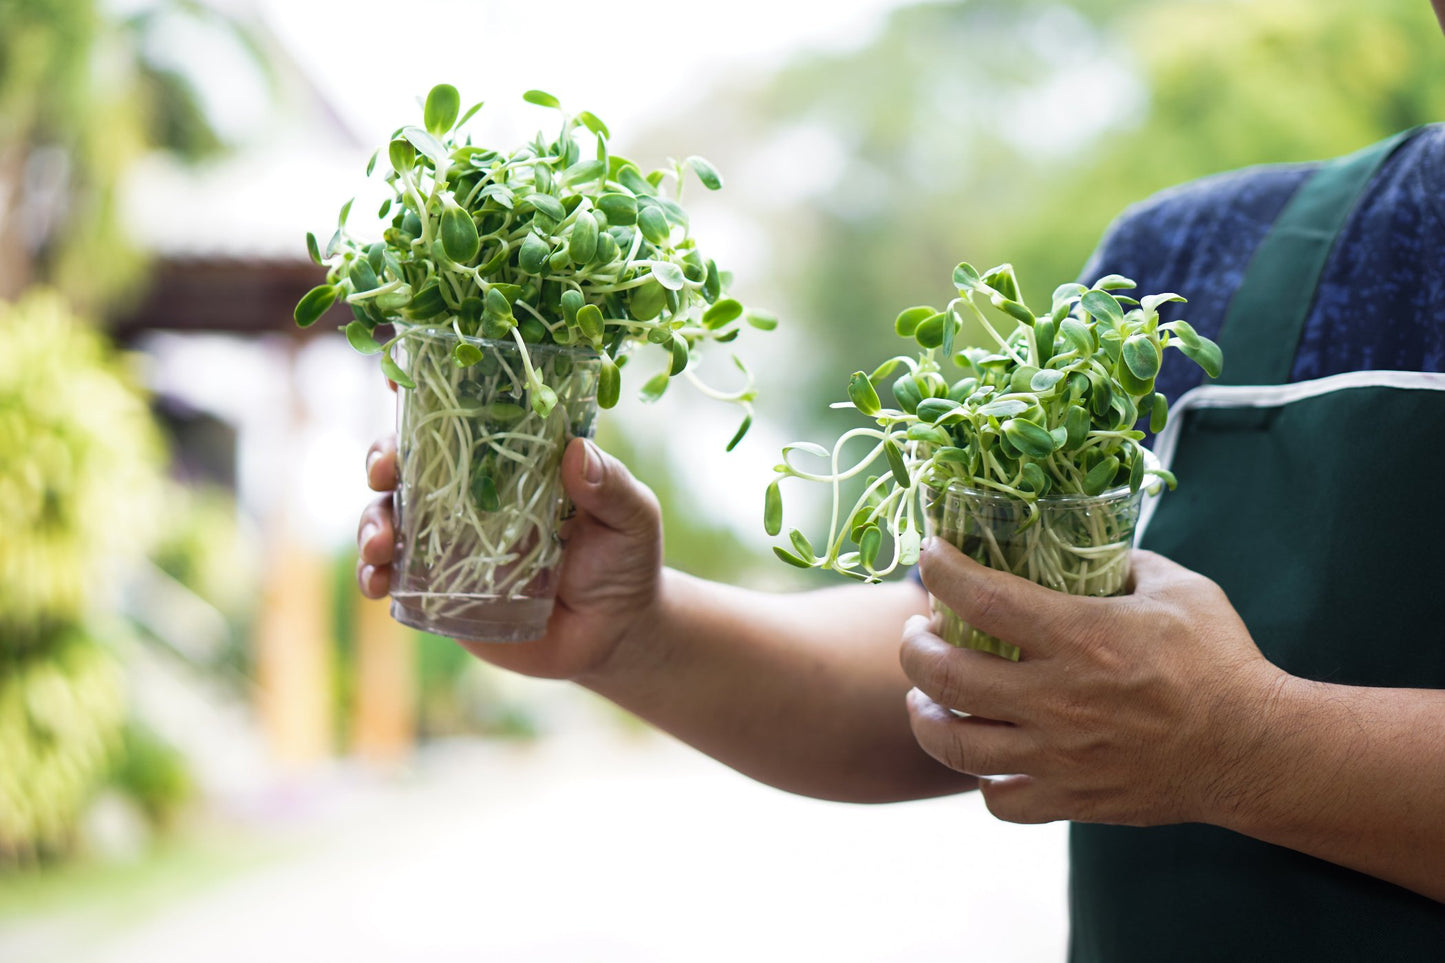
(597, 847)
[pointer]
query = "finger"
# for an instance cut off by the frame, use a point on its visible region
(970, 744)
(375, 539)
(601, 486)
(1003, 605)
(1020, 799)
(374, 580)
(975, 682)
(381, 464)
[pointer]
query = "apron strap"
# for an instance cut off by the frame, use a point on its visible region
(1266, 317)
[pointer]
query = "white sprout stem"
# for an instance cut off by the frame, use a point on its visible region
(455, 551)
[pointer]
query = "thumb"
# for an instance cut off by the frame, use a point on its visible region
(601, 486)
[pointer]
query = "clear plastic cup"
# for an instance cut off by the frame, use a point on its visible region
(479, 502)
(1078, 544)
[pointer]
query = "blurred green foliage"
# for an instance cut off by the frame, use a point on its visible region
(1015, 130)
(61, 713)
(154, 775)
(80, 482)
(80, 464)
(86, 89)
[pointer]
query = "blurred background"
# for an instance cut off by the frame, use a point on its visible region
(212, 747)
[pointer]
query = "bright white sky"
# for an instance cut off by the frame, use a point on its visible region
(624, 60)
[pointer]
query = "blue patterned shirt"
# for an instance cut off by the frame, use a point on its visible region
(1381, 300)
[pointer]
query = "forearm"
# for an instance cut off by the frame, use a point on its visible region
(1352, 775)
(801, 691)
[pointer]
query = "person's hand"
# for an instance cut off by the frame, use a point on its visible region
(1135, 710)
(610, 571)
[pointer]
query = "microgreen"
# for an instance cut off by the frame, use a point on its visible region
(524, 230)
(1050, 408)
(517, 283)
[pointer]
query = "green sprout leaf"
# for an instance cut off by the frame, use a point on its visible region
(459, 234)
(965, 278)
(773, 509)
(679, 355)
(532, 258)
(655, 387)
(863, 395)
(669, 275)
(590, 320)
(1031, 439)
(393, 371)
(1103, 305)
(542, 99)
(1158, 412)
(930, 410)
(761, 320)
(653, 223)
(631, 178)
(802, 546)
(402, 156)
(360, 338)
(314, 304)
(1113, 282)
(484, 493)
(593, 123)
(470, 113)
(619, 209)
(908, 320)
(442, 104)
(738, 435)
(1077, 334)
(465, 354)
(424, 142)
(609, 384)
(870, 541)
(1206, 354)
(721, 314)
(582, 242)
(895, 462)
(1150, 302)
(706, 173)
(1141, 354)
(1004, 408)
(1101, 476)
(929, 332)
(542, 398)
(790, 558)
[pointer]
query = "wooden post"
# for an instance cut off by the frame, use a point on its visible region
(293, 654)
(384, 726)
(295, 633)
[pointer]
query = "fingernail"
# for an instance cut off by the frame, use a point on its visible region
(592, 469)
(930, 543)
(371, 458)
(367, 534)
(367, 573)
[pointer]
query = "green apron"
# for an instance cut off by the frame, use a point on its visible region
(1312, 505)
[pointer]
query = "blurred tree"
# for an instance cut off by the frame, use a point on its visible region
(85, 90)
(995, 130)
(1236, 84)
(80, 502)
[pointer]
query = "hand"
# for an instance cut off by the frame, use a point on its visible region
(611, 569)
(1135, 710)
